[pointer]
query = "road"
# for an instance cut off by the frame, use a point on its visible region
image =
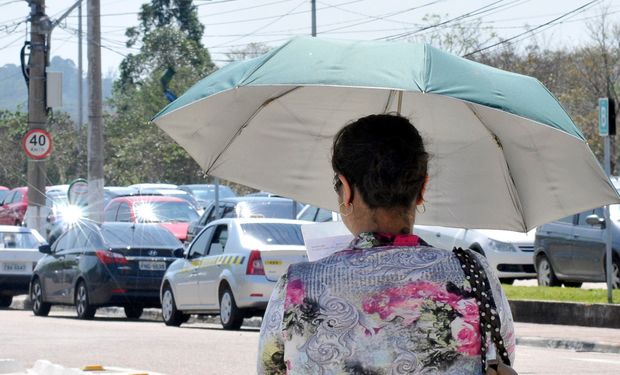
(199, 348)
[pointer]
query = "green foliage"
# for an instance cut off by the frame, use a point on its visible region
(559, 294)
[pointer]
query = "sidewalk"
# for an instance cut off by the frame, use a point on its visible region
(584, 339)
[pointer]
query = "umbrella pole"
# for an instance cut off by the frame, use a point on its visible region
(400, 102)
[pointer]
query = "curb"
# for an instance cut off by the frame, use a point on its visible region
(579, 346)
(565, 313)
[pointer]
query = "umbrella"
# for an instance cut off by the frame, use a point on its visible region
(504, 153)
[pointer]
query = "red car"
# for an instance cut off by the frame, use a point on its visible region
(172, 213)
(13, 207)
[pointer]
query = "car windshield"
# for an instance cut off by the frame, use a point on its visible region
(209, 194)
(3, 193)
(22, 240)
(157, 212)
(273, 233)
(266, 209)
(139, 236)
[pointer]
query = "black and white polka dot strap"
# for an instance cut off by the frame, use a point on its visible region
(489, 318)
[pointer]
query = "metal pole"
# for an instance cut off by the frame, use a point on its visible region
(80, 74)
(608, 224)
(313, 17)
(37, 114)
(95, 118)
(217, 193)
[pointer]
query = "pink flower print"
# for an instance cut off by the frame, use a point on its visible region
(467, 337)
(294, 293)
(468, 309)
(406, 240)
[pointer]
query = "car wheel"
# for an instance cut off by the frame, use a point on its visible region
(572, 284)
(83, 307)
(169, 312)
(230, 315)
(507, 280)
(615, 274)
(545, 274)
(39, 308)
(5, 301)
(133, 312)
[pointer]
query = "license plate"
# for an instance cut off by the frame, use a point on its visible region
(14, 267)
(152, 266)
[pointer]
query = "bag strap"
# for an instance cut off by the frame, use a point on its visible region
(489, 319)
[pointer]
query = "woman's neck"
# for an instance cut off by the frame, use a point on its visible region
(380, 220)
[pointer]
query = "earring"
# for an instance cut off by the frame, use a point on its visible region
(348, 213)
(423, 209)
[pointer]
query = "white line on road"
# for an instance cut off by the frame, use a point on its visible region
(594, 360)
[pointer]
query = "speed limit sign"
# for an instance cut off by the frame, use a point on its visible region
(37, 144)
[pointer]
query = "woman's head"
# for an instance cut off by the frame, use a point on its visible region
(382, 158)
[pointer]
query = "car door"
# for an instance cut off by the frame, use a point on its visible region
(556, 239)
(5, 213)
(71, 270)
(66, 258)
(52, 273)
(186, 280)
(587, 258)
(213, 265)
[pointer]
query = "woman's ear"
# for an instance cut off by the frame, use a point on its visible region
(347, 192)
(420, 199)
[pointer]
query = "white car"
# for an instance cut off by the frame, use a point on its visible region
(509, 253)
(19, 253)
(230, 269)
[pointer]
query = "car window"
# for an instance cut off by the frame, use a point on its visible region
(272, 233)
(18, 197)
(8, 198)
(198, 248)
(145, 236)
(204, 219)
(21, 240)
(324, 215)
(567, 219)
(218, 243)
(309, 214)
(229, 211)
(110, 212)
(124, 213)
(66, 241)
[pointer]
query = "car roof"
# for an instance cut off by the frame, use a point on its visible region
(153, 186)
(148, 198)
(259, 221)
(14, 229)
(112, 225)
(255, 199)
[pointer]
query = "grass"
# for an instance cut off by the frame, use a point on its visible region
(560, 294)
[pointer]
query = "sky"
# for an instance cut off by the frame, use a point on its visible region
(232, 24)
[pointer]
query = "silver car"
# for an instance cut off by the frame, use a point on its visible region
(230, 269)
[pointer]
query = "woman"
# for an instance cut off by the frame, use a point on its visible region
(388, 304)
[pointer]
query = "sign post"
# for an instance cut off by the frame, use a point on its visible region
(607, 127)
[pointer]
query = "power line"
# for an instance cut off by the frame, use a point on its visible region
(553, 21)
(385, 17)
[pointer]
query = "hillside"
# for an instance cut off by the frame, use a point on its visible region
(14, 94)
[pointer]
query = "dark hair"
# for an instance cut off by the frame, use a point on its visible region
(383, 156)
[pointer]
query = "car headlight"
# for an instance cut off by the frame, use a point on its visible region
(500, 246)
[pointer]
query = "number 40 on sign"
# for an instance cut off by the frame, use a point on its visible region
(37, 144)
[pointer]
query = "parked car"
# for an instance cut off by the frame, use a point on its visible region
(313, 213)
(19, 252)
(13, 206)
(508, 253)
(117, 264)
(3, 192)
(175, 214)
(178, 193)
(205, 193)
(572, 250)
(244, 207)
(231, 269)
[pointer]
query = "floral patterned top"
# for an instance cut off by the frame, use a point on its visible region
(388, 304)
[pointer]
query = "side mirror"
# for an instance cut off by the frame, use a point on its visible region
(45, 249)
(595, 220)
(179, 253)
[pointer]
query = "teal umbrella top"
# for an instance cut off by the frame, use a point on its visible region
(307, 61)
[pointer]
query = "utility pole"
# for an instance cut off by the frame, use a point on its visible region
(80, 88)
(313, 17)
(37, 112)
(95, 118)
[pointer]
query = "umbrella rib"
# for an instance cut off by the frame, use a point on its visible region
(245, 124)
(514, 193)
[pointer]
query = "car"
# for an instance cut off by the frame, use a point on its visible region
(116, 264)
(175, 214)
(13, 206)
(572, 250)
(205, 193)
(240, 207)
(153, 186)
(19, 252)
(509, 253)
(231, 269)
(172, 193)
(3, 192)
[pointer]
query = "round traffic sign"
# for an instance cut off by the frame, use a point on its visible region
(37, 144)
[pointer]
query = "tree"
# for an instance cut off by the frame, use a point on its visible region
(248, 52)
